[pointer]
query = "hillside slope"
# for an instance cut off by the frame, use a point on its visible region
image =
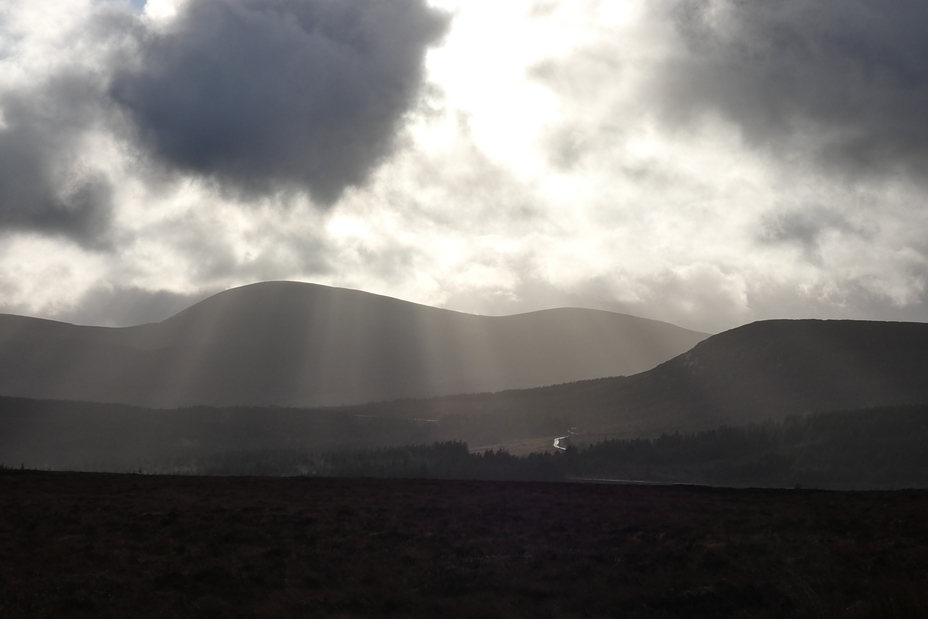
(294, 344)
(764, 370)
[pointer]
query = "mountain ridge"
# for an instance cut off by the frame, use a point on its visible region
(765, 370)
(295, 344)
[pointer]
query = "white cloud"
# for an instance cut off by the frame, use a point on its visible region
(161, 9)
(544, 165)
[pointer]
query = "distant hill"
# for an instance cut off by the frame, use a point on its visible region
(295, 344)
(764, 370)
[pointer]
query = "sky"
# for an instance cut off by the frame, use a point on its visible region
(704, 162)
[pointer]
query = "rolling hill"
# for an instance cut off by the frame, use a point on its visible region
(295, 344)
(765, 370)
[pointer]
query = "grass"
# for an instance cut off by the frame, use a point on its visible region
(81, 544)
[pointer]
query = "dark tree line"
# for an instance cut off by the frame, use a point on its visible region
(873, 448)
(440, 460)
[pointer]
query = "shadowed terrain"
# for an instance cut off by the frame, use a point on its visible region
(869, 449)
(158, 546)
(766, 370)
(294, 344)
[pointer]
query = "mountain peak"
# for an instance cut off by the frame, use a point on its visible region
(292, 343)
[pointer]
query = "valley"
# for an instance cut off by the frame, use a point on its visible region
(764, 372)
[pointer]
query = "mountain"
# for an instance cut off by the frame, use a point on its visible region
(295, 344)
(764, 370)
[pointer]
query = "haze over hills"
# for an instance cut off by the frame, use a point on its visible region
(295, 344)
(765, 370)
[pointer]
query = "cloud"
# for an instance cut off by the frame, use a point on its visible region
(261, 97)
(264, 96)
(702, 162)
(127, 306)
(55, 118)
(844, 84)
(53, 112)
(806, 227)
(41, 188)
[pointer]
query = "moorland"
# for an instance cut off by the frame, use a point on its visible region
(104, 545)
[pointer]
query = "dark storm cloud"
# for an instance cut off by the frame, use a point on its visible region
(49, 181)
(42, 185)
(271, 95)
(843, 80)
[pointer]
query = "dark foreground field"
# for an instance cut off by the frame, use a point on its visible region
(81, 544)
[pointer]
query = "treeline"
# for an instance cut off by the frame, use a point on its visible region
(863, 449)
(866, 449)
(440, 460)
(52, 434)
